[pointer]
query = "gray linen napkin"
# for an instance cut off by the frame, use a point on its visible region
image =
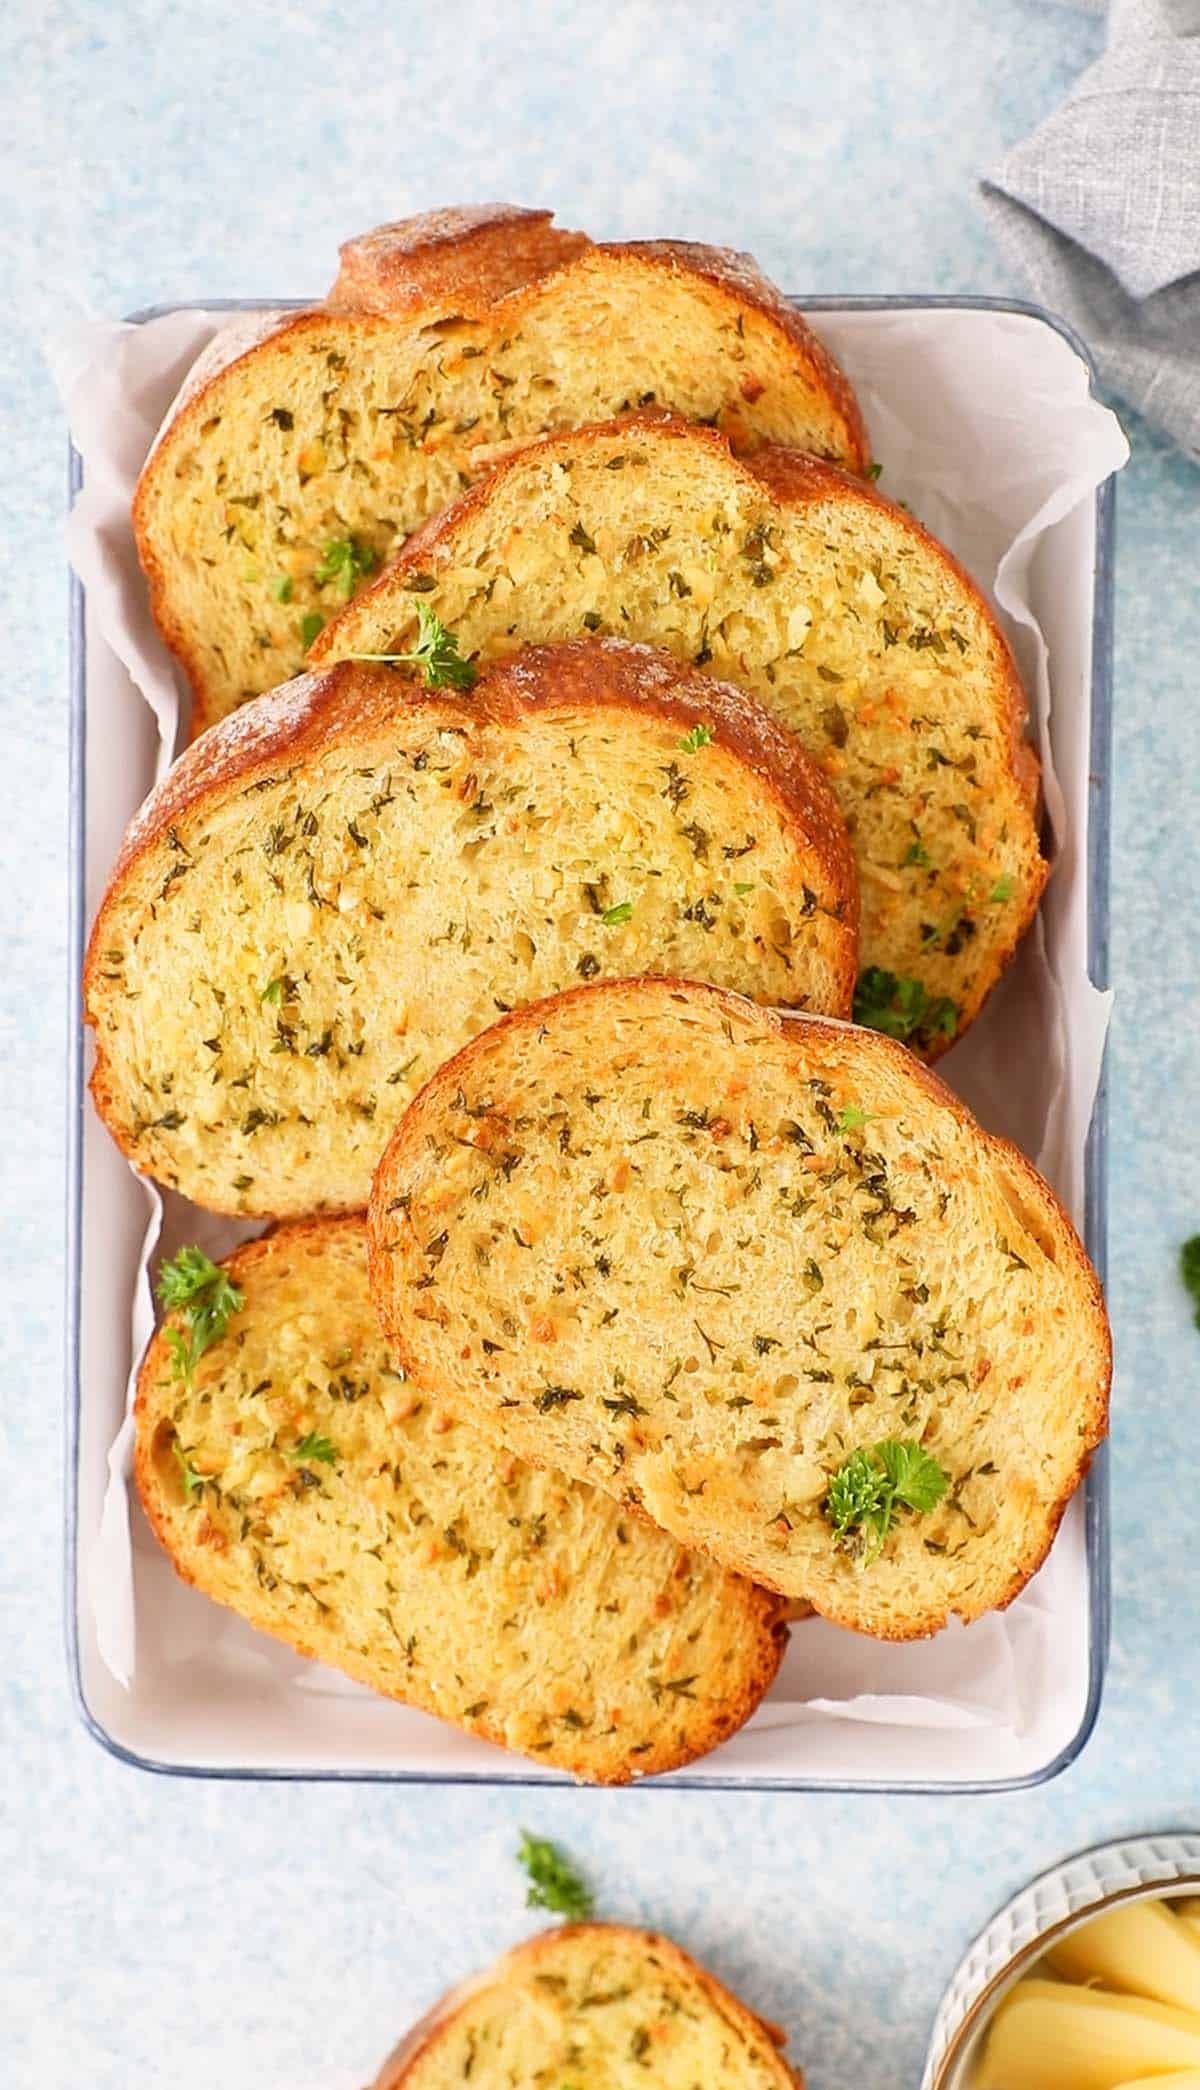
(1100, 209)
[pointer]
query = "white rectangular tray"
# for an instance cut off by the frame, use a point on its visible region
(1003, 385)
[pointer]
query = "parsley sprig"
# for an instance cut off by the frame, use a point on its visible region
(555, 1883)
(853, 1118)
(435, 653)
(344, 563)
(316, 1447)
(902, 1008)
(1189, 1270)
(873, 1485)
(199, 1292)
(699, 736)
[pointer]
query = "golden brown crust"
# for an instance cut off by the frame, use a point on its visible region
(472, 257)
(740, 279)
(422, 2041)
(464, 259)
(765, 1625)
(795, 480)
(455, 1077)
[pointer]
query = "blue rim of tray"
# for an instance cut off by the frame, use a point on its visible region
(1095, 1226)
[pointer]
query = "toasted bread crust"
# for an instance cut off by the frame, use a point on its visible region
(796, 479)
(494, 264)
(539, 1954)
(762, 1636)
(738, 277)
(354, 705)
(467, 257)
(850, 1605)
(474, 257)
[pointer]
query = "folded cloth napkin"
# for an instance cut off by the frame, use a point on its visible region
(1100, 209)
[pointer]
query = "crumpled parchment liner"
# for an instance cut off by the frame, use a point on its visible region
(989, 432)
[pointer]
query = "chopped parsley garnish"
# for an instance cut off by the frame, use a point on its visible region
(186, 1277)
(1189, 1270)
(314, 1447)
(200, 1292)
(282, 588)
(345, 562)
(613, 916)
(555, 1883)
(1003, 889)
(435, 653)
(273, 991)
(556, 1397)
(309, 627)
(902, 1008)
(192, 1481)
(852, 1119)
(873, 1485)
(700, 736)
(873, 470)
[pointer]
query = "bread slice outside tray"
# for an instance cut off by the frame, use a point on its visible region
(296, 1478)
(600, 2006)
(305, 447)
(338, 886)
(705, 1256)
(831, 605)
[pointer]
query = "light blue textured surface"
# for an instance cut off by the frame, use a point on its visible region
(156, 1933)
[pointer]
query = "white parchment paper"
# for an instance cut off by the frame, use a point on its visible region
(985, 426)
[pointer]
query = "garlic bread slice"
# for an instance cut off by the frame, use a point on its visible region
(764, 1278)
(803, 585)
(596, 2006)
(340, 885)
(293, 1475)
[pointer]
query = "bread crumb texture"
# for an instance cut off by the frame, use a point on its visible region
(348, 427)
(592, 2007)
(830, 604)
(698, 1255)
(301, 1480)
(347, 880)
